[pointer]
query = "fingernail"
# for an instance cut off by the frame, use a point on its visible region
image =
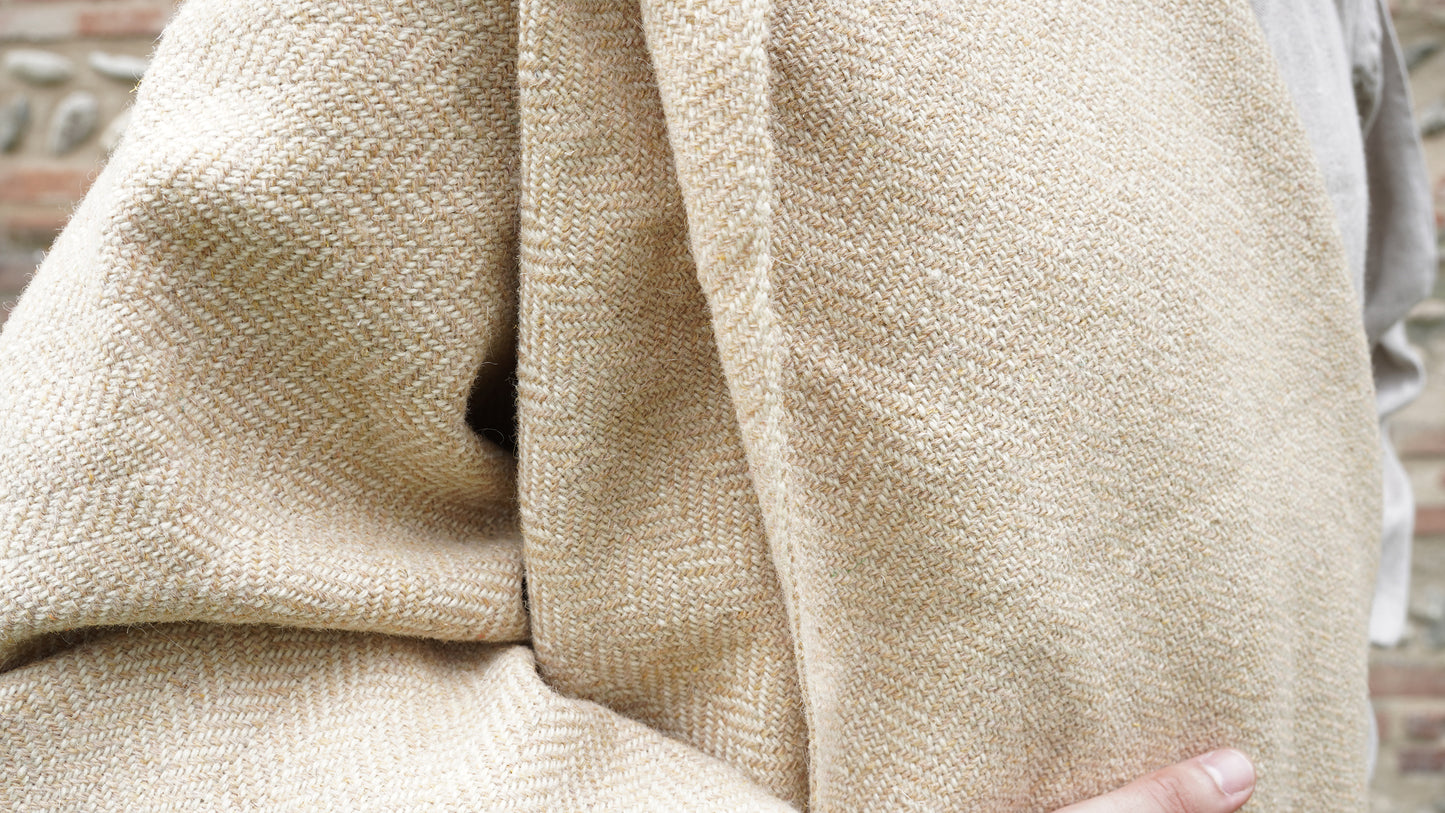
(1230, 770)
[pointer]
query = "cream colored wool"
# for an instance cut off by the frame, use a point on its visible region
(949, 406)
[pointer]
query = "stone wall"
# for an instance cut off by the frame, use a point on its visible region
(71, 66)
(67, 71)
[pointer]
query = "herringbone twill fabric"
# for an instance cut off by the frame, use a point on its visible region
(947, 406)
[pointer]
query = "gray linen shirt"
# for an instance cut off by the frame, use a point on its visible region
(1345, 73)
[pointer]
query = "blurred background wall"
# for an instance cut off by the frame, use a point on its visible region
(68, 69)
(67, 72)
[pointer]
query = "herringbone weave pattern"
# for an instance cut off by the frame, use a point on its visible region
(948, 406)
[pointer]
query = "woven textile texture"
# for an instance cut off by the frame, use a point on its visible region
(938, 406)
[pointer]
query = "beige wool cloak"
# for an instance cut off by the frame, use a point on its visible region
(939, 406)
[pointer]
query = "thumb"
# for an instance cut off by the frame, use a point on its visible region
(1218, 782)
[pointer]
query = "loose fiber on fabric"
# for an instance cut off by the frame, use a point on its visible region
(953, 406)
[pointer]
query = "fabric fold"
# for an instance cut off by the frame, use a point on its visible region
(236, 390)
(961, 407)
(267, 718)
(644, 495)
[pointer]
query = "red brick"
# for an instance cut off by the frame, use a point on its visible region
(127, 22)
(33, 228)
(1426, 726)
(1407, 680)
(50, 20)
(1422, 760)
(1428, 443)
(1429, 521)
(56, 185)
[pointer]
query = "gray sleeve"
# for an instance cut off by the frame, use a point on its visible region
(1399, 272)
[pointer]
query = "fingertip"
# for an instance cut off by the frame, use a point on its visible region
(1231, 771)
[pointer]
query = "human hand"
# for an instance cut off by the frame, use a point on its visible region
(1218, 782)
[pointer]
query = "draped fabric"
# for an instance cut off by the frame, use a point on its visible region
(693, 405)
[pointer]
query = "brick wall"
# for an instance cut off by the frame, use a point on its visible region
(62, 62)
(40, 182)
